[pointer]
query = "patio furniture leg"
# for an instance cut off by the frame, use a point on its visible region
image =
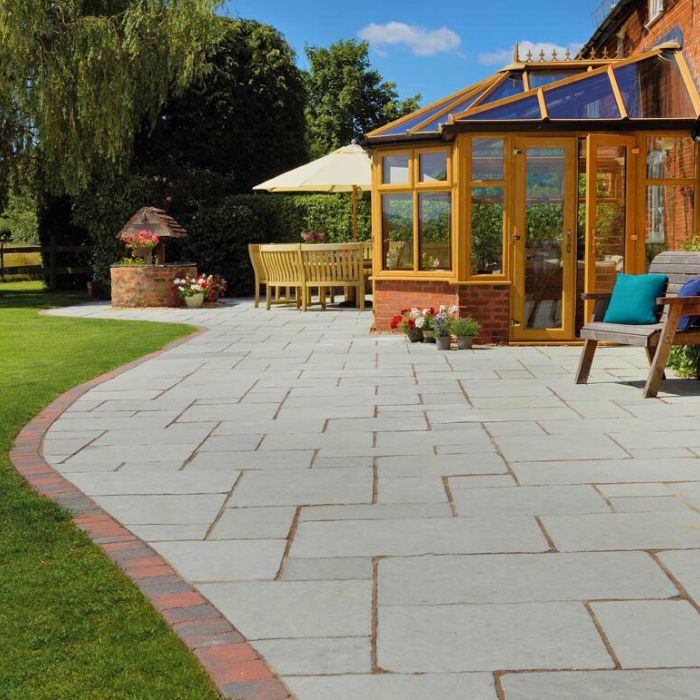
(268, 297)
(651, 350)
(257, 294)
(663, 347)
(322, 297)
(360, 296)
(584, 365)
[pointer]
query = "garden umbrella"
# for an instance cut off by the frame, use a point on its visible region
(348, 169)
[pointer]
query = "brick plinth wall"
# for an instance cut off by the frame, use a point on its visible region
(147, 285)
(488, 304)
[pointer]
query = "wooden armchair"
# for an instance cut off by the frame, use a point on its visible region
(657, 338)
(283, 272)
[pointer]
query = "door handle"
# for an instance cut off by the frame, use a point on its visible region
(516, 236)
(568, 240)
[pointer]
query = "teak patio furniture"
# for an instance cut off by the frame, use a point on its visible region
(305, 267)
(281, 296)
(283, 271)
(330, 265)
(657, 338)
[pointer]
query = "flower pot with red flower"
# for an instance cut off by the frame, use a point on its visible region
(142, 244)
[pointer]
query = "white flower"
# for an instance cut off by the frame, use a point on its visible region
(426, 312)
(177, 280)
(442, 309)
(452, 309)
(181, 289)
(420, 321)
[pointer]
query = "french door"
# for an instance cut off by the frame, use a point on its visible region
(543, 239)
(609, 212)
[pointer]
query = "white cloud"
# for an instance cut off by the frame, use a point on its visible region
(504, 56)
(421, 41)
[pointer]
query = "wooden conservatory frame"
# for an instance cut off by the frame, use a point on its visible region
(457, 120)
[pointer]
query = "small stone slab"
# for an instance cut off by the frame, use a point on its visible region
(303, 657)
(162, 510)
(685, 566)
(340, 569)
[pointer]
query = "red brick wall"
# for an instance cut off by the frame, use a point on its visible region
(487, 304)
(677, 13)
(146, 285)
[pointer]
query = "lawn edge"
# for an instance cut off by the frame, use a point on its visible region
(235, 667)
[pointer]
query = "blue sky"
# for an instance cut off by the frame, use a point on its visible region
(433, 46)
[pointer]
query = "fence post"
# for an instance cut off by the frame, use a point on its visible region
(52, 264)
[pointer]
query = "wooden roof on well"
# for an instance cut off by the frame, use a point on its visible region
(155, 220)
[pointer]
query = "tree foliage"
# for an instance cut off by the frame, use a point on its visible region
(346, 98)
(239, 124)
(77, 79)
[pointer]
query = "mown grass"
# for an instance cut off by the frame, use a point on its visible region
(71, 624)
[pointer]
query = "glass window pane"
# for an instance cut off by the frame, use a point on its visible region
(487, 159)
(460, 106)
(395, 170)
(433, 167)
(540, 78)
(590, 98)
(527, 108)
(434, 217)
(410, 123)
(487, 230)
(397, 231)
(654, 89)
(512, 85)
(670, 157)
(670, 215)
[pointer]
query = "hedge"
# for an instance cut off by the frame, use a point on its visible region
(220, 231)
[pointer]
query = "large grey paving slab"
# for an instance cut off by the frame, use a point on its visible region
(522, 448)
(445, 686)
(154, 482)
(329, 655)
(340, 569)
(685, 567)
(651, 633)
(162, 510)
(293, 609)
(230, 560)
(253, 523)
(418, 536)
(587, 532)
(449, 638)
(516, 578)
(529, 500)
(677, 684)
(441, 465)
(322, 486)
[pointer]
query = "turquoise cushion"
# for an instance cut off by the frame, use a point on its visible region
(633, 299)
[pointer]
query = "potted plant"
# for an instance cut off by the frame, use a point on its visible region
(442, 323)
(309, 237)
(191, 290)
(406, 323)
(427, 324)
(142, 244)
(465, 329)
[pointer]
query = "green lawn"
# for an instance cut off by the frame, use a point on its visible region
(71, 624)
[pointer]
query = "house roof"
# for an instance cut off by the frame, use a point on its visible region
(655, 85)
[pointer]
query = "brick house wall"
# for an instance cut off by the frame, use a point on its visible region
(489, 304)
(678, 22)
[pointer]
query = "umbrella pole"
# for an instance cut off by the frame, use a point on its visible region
(354, 212)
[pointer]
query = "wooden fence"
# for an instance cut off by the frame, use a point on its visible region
(38, 271)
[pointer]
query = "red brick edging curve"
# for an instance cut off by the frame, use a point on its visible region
(235, 667)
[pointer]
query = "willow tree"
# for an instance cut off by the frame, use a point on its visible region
(78, 78)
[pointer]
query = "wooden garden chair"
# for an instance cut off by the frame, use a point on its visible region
(283, 271)
(281, 295)
(657, 338)
(329, 265)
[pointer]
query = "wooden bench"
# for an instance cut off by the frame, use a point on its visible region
(657, 338)
(283, 272)
(330, 265)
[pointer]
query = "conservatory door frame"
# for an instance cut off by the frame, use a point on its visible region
(521, 314)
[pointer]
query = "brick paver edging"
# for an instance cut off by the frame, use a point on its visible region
(235, 667)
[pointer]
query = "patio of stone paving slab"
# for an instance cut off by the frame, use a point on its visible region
(384, 520)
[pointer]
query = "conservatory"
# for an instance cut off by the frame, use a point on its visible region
(512, 197)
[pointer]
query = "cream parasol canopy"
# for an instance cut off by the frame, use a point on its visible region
(347, 169)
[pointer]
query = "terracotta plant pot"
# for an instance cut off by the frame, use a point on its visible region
(464, 342)
(195, 301)
(443, 342)
(428, 336)
(415, 335)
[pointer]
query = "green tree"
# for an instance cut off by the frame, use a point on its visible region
(77, 79)
(241, 123)
(346, 98)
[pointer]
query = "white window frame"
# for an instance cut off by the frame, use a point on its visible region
(656, 9)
